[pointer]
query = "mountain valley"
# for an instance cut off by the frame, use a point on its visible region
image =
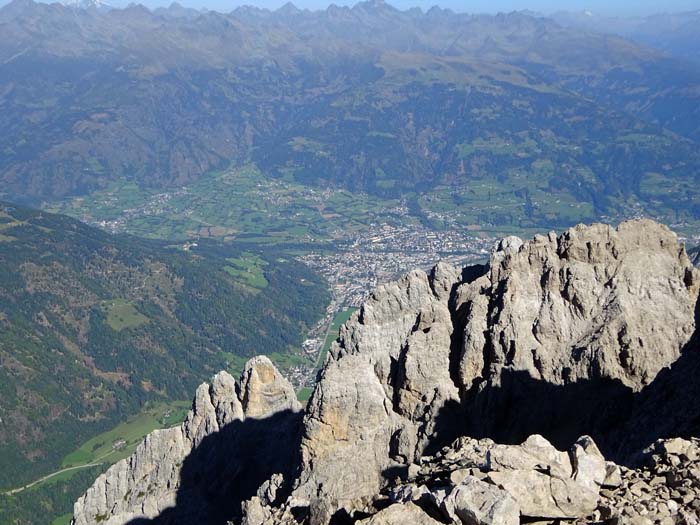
(395, 104)
(322, 204)
(95, 325)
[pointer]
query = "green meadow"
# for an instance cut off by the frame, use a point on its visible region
(122, 315)
(121, 441)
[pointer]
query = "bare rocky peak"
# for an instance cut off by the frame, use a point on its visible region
(558, 307)
(264, 391)
(554, 337)
(161, 476)
(588, 333)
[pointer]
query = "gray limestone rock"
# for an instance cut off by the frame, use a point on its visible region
(581, 322)
(561, 309)
(552, 321)
(665, 489)
(545, 482)
(264, 390)
(255, 512)
(474, 502)
(382, 389)
(149, 481)
(400, 514)
(480, 482)
(589, 465)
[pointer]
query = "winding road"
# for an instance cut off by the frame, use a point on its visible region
(95, 463)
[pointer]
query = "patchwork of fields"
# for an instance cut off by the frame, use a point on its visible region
(249, 205)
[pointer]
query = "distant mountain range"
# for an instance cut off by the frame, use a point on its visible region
(367, 97)
(86, 4)
(675, 33)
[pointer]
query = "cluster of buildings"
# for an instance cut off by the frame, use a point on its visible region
(381, 253)
(156, 205)
(385, 252)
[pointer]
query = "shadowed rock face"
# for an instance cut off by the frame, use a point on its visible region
(196, 469)
(587, 333)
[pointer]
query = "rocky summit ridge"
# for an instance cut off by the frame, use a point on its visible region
(555, 384)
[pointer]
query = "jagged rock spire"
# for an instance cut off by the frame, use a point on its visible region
(150, 481)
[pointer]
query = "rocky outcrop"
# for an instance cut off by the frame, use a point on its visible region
(587, 320)
(478, 481)
(155, 479)
(381, 389)
(587, 333)
(553, 325)
(475, 501)
(568, 308)
(400, 515)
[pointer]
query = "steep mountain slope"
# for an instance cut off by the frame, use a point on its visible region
(93, 325)
(369, 98)
(592, 332)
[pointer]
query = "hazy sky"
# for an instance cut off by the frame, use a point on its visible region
(608, 6)
(617, 7)
(603, 7)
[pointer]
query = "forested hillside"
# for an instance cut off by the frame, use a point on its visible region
(94, 325)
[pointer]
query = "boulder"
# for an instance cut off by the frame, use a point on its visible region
(474, 502)
(400, 514)
(547, 483)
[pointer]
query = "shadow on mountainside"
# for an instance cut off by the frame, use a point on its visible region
(229, 466)
(521, 406)
(668, 407)
(620, 421)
